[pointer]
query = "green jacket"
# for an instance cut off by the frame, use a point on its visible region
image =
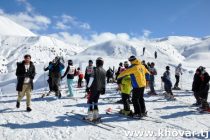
(126, 86)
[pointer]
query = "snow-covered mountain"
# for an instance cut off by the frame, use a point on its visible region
(9, 27)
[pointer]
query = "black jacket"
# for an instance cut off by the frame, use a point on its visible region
(99, 82)
(22, 74)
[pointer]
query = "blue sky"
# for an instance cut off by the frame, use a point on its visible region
(151, 18)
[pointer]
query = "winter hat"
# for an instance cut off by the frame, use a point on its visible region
(90, 61)
(167, 68)
(70, 62)
(202, 69)
(132, 58)
(99, 62)
(179, 65)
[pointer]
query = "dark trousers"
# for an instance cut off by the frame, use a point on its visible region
(80, 82)
(125, 99)
(197, 97)
(50, 84)
(138, 100)
(56, 85)
(93, 100)
(177, 81)
(204, 92)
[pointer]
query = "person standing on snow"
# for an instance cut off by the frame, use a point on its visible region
(109, 74)
(25, 73)
(166, 78)
(70, 72)
(178, 72)
(196, 87)
(153, 72)
(95, 88)
(119, 69)
(139, 75)
(80, 77)
(57, 68)
(49, 79)
(124, 85)
(204, 88)
(88, 71)
(155, 54)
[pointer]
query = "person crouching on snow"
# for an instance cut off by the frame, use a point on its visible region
(70, 72)
(125, 87)
(25, 73)
(95, 88)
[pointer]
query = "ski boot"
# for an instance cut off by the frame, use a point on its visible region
(144, 114)
(89, 116)
(126, 113)
(18, 104)
(28, 109)
(96, 116)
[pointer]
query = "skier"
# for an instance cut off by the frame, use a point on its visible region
(153, 72)
(109, 74)
(204, 88)
(25, 73)
(166, 78)
(49, 79)
(88, 71)
(57, 68)
(96, 87)
(119, 69)
(144, 51)
(70, 72)
(178, 72)
(80, 77)
(155, 54)
(139, 74)
(124, 85)
(196, 87)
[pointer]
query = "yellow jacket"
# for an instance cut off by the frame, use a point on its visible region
(138, 74)
(125, 85)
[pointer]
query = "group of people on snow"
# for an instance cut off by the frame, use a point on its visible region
(132, 77)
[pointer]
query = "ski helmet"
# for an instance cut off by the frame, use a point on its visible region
(167, 68)
(99, 62)
(70, 62)
(202, 69)
(132, 58)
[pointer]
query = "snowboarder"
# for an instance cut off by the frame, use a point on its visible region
(56, 68)
(204, 88)
(155, 54)
(166, 78)
(95, 88)
(178, 72)
(119, 69)
(49, 79)
(153, 72)
(109, 75)
(88, 71)
(124, 85)
(70, 72)
(80, 77)
(139, 75)
(25, 73)
(144, 51)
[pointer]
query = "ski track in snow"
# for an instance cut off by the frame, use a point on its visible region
(48, 120)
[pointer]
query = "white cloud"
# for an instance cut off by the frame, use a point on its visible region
(32, 22)
(146, 33)
(67, 22)
(28, 6)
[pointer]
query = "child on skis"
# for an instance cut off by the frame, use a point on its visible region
(70, 72)
(138, 74)
(166, 78)
(125, 87)
(95, 88)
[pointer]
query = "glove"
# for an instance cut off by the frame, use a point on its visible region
(87, 90)
(103, 91)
